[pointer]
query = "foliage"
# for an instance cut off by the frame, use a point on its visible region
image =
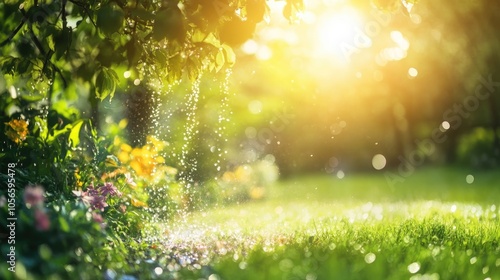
(46, 147)
(475, 149)
(60, 239)
(70, 41)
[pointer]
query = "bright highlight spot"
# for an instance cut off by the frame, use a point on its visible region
(398, 38)
(255, 107)
(445, 125)
(412, 72)
(158, 270)
(127, 74)
(469, 179)
(337, 32)
(370, 258)
(414, 267)
(250, 47)
(340, 174)
(379, 161)
(264, 53)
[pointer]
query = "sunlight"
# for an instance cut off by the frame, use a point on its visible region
(337, 32)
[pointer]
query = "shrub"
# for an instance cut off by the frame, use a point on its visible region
(477, 149)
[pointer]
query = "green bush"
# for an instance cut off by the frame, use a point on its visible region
(477, 149)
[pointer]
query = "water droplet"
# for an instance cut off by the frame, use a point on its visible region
(214, 277)
(414, 267)
(412, 72)
(469, 179)
(444, 126)
(158, 270)
(379, 161)
(340, 174)
(370, 258)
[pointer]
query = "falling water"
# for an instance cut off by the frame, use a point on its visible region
(177, 121)
(189, 165)
(223, 119)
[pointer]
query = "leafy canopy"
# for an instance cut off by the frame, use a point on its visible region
(66, 41)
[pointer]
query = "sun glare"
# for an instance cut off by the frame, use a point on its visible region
(337, 31)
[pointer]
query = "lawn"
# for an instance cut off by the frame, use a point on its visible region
(434, 225)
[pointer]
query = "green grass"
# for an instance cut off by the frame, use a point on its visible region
(432, 226)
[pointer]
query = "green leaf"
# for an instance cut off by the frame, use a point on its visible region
(105, 83)
(62, 42)
(134, 52)
(45, 252)
(142, 13)
(74, 135)
(229, 54)
(169, 24)
(110, 19)
(64, 224)
(200, 37)
(193, 69)
(219, 61)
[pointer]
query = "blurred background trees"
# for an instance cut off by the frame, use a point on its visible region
(318, 86)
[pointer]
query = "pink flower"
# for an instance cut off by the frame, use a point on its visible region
(97, 217)
(33, 196)
(108, 188)
(42, 221)
(98, 202)
(92, 198)
(91, 191)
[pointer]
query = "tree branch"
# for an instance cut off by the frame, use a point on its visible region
(13, 34)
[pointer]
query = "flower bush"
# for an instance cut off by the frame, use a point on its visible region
(54, 239)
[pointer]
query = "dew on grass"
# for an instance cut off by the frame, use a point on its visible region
(414, 267)
(370, 258)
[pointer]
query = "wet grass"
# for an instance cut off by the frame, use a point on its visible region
(434, 225)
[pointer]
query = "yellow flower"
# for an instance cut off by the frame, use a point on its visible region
(137, 203)
(78, 178)
(157, 144)
(17, 130)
